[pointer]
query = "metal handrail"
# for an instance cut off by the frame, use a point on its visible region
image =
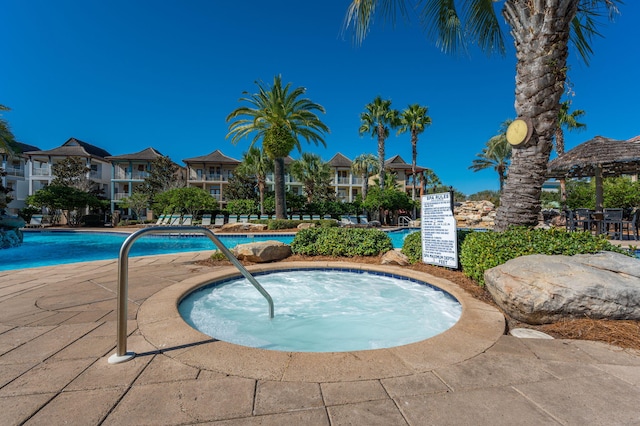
(404, 221)
(121, 354)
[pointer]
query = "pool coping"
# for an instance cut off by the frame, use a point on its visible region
(160, 323)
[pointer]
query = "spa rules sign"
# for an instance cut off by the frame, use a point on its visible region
(439, 241)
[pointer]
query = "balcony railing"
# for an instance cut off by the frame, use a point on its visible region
(357, 180)
(41, 171)
(120, 196)
(14, 171)
(343, 180)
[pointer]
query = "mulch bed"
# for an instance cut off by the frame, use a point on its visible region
(624, 334)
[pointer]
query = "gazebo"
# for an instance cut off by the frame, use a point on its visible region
(599, 157)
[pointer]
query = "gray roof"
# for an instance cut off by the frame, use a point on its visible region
(215, 157)
(397, 163)
(148, 154)
(340, 160)
(615, 157)
(74, 148)
(19, 147)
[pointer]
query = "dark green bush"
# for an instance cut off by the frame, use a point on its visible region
(412, 246)
(274, 224)
(336, 241)
(484, 250)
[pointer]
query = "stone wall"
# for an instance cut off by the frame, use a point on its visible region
(475, 214)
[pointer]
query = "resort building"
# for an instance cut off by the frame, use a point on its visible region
(39, 167)
(128, 172)
(405, 178)
(211, 172)
(14, 165)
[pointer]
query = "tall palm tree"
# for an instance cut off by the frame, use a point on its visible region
(377, 119)
(542, 30)
(570, 122)
(312, 172)
(496, 154)
(414, 119)
(6, 136)
(365, 165)
(280, 117)
(256, 163)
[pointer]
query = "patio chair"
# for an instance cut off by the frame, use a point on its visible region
(315, 217)
(206, 220)
(174, 220)
(363, 219)
(253, 217)
(612, 223)
(306, 217)
(187, 220)
(244, 218)
(630, 227)
(35, 222)
(233, 218)
(219, 221)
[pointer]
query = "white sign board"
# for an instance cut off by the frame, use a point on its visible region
(439, 239)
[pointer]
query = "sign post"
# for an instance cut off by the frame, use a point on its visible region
(438, 226)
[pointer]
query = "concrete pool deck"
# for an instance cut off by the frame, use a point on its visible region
(58, 327)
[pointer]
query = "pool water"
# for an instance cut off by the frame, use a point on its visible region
(322, 311)
(46, 248)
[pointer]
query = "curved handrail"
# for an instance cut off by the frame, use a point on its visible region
(121, 354)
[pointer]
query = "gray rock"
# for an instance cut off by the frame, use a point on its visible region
(265, 251)
(306, 225)
(243, 227)
(394, 257)
(540, 289)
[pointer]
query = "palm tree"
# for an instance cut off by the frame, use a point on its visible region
(496, 154)
(365, 165)
(256, 163)
(377, 119)
(570, 122)
(6, 136)
(414, 119)
(312, 172)
(279, 116)
(542, 30)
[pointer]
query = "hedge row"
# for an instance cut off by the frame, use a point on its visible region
(347, 242)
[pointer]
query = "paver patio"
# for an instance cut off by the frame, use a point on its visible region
(58, 327)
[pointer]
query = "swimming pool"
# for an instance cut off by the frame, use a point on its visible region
(46, 248)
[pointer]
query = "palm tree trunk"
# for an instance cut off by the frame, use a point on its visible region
(365, 185)
(541, 36)
(560, 150)
(278, 175)
(381, 154)
(414, 156)
(261, 188)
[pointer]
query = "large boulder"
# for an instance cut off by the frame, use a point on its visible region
(394, 257)
(540, 289)
(265, 251)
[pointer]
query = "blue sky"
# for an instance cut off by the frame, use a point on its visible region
(127, 75)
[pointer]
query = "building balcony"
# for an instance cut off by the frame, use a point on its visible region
(14, 171)
(41, 171)
(120, 196)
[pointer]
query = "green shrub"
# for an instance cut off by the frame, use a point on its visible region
(412, 246)
(347, 242)
(484, 250)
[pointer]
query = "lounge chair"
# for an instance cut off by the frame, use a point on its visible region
(306, 217)
(253, 217)
(233, 218)
(244, 218)
(174, 220)
(348, 220)
(315, 217)
(206, 220)
(166, 220)
(35, 222)
(363, 219)
(158, 222)
(187, 220)
(327, 217)
(219, 221)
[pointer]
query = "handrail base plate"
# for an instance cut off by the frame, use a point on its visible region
(117, 359)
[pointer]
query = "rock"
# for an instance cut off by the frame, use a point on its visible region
(394, 257)
(306, 225)
(243, 227)
(541, 289)
(265, 251)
